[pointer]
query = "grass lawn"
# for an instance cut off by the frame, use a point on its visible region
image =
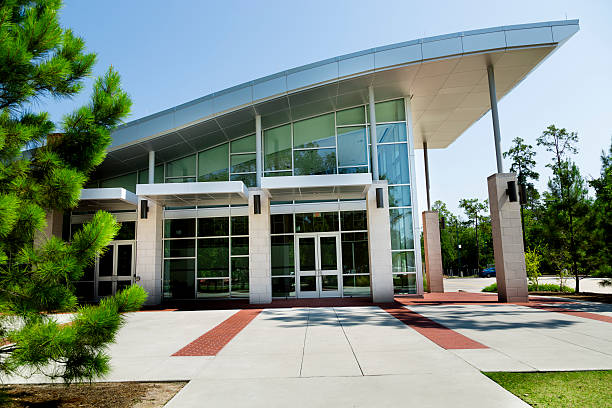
(559, 389)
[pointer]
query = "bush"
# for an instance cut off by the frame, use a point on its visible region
(546, 287)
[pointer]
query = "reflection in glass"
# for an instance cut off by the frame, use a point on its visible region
(401, 228)
(240, 245)
(240, 277)
(403, 261)
(213, 226)
(283, 286)
(127, 230)
(329, 256)
(282, 255)
(404, 284)
(352, 116)
(353, 170)
(122, 284)
(356, 285)
(248, 179)
(308, 283)
(329, 283)
(213, 257)
(307, 253)
(399, 196)
(353, 220)
(393, 132)
(277, 148)
(127, 181)
(355, 258)
(281, 223)
(243, 163)
(278, 173)
(352, 146)
(243, 145)
(182, 167)
(393, 163)
(212, 164)
(316, 222)
(179, 248)
(315, 132)
(105, 288)
(124, 260)
(179, 276)
(105, 263)
(315, 161)
(390, 111)
(213, 288)
(179, 228)
(240, 225)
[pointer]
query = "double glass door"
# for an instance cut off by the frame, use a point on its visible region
(318, 260)
(115, 268)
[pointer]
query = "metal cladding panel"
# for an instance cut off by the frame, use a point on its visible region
(361, 63)
(442, 48)
(270, 87)
(484, 41)
(229, 100)
(399, 55)
(538, 35)
(312, 76)
(193, 111)
(561, 33)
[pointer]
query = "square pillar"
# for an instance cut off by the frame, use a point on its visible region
(433, 252)
(55, 220)
(507, 241)
(379, 244)
(260, 283)
(149, 249)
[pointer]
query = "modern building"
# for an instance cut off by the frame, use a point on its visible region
(299, 184)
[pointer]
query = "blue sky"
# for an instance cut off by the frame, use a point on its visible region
(172, 52)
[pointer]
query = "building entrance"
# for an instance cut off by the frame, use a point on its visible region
(318, 261)
(115, 269)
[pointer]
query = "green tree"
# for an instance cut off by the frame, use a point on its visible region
(532, 264)
(523, 164)
(39, 59)
(566, 200)
(473, 209)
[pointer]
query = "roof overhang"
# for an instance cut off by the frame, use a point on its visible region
(319, 187)
(107, 198)
(445, 77)
(199, 193)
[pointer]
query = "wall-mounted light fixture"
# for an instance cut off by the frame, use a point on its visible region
(511, 191)
(256, 204)
(144, 209)
(380, 203)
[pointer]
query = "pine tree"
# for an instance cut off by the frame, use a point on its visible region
(39, 60)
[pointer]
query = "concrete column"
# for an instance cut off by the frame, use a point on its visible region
(149, 248)
(495, 117)
(507, 241)
(151, 167)
(433, 252)
(379, 244)
(426, 160)
(260, 284)
(55, 220)
(373, 137)
(258, 150)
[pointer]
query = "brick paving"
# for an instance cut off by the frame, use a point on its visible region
(211, 342)
(439, 334)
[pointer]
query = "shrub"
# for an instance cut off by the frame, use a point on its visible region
(546, 287)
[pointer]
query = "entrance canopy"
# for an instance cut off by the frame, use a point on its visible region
(107, 199)
(445, 77)
(188, 194)
(321, 187)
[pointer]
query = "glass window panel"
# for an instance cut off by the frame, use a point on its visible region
(282, 255)
(181, 180)
(213, 288)
(403, 261)
(399, 196)
(356, 285)
(329, 253)
(158, 174)
(180, 228)
(143, 177)
(240, 277)
(404, 284)
(243, 145)
(278, 173)
(352, 146)
(249, 180)
(105, 288)
(179, 278)
(213, 257)
(123, 284)
(84, 290)
(127, 181)
(88, 272)
(390, 111)
(213, 227)
(353, 220)
(283, 287)
(329, 282)
(307, 254)
(127, 230)
(393, 163)
(308, 283)
(240, 245)
(179, 248)
(352, 116)
(277, 148)
(316, 222)
(105, 263)
(355, 253)
(212, 164)
(352, 170)
(315, 132)
(316, 161)
(182, 167)
(393, 132)
(124, 260)
(401, 228)
(281, 223)
(243, 163)
(240, 225)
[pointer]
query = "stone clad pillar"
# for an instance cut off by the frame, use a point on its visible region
(433, 252)
(149, 248)
(507, 241)
(55, 220)
(379, 244)
(260, 283)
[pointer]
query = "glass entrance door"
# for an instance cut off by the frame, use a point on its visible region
(318, 263)
(115, 268)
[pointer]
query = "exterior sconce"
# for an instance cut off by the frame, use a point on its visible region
(379, 198)
(144, 209)
(257, 204)
(511, 191)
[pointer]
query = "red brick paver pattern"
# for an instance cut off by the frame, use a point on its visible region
(211, 342)
(441, 335)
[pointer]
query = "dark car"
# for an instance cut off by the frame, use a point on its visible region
(487, 273)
